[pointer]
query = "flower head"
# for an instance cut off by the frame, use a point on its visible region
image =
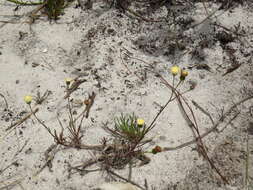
(140, 122)
(68, 80)
(156, 149)
(184, 74)
(175, 70)
(28, 99)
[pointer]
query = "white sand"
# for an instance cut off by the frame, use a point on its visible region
(80, 41)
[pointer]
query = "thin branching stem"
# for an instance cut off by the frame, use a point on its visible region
(43, 124)
(161, 110)
(194, 126)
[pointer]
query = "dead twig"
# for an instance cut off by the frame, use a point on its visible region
(200, 144)
(2, 170)
(232, 68)
(203, 111)
(10, 185)
(74, 86)
(40, 99)
(228, 123)
(19, 122)
(89, 103)
(49, 156)
(215, 126)
(194, 126)
(6, 103)
(22, 148)
(8, 22)
(129, 181)
(82, 168)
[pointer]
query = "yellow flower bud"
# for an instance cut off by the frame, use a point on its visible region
(68, 80)
(175, 70)
(140, 122)
(184, 73)
(28, 99)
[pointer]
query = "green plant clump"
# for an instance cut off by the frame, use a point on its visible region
(126, 127)
(55, 8)
(52, 8)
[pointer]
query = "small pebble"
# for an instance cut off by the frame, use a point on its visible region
(44, 50)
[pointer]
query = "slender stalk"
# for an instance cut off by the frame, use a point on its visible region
(170, 99)
(46, 127)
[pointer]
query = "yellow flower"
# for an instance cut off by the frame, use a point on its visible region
(175, 70)
(68, 80)
(140, 122)
(184, 73)
(28, 99)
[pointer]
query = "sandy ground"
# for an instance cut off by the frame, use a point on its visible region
(91, 44)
